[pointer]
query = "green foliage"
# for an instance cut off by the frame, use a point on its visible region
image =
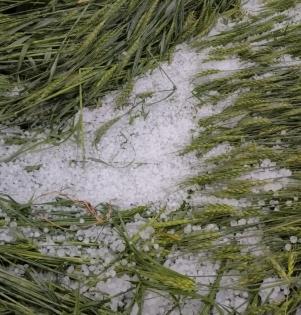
(51, 48)
(262, 124)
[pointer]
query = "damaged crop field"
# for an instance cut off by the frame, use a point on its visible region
(150, 157)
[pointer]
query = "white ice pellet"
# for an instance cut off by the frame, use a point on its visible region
(242, 222)
(13, 224)
(188, 229)
(293, 239)
(288, 247)
(60, 252)
(146, 248)
(212, 227)
(146, 233)
(196, 228)
(253, 221)
(233, 223)
(70, 269)
(163, 216)
(7, 220)
(273, 290)
(289, 202)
